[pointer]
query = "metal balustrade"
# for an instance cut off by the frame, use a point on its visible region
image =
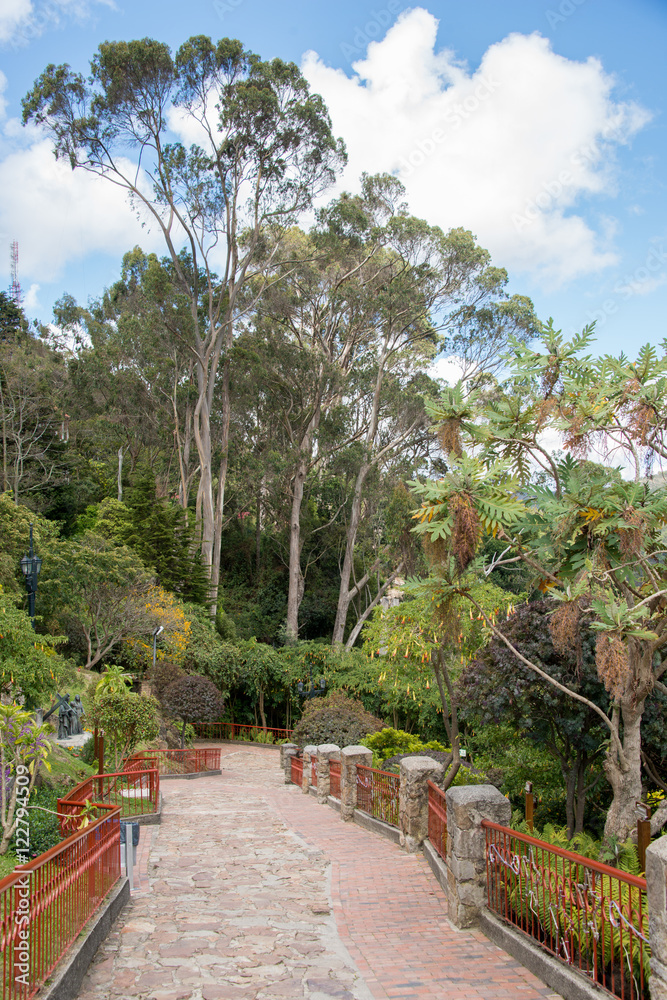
(589, 915)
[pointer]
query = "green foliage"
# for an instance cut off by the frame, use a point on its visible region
(15, 521)
(160, 534)
(44, 825)
(509, 760)
(103, 588)
(29, 663)
(114, 681)
(335, 718)
(389, 742)
(127, 719)
(206, 653)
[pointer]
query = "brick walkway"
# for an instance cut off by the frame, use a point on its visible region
(253, 891)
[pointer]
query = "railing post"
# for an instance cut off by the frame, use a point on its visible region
(325, 753)
(349, 758)
(289, 753)
(656, 892)
(285, 760)
(309, 753)
(467, 806)
(413, 799)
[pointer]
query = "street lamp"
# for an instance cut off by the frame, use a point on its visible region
(30, 566)
(156, 632)
(313, 691)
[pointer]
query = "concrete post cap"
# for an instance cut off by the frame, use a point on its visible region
(358, 751)
(416, 765)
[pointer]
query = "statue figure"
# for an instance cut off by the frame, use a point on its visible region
(64, 718)
(79, 711)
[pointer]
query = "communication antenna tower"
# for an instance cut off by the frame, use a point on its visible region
(15, 287)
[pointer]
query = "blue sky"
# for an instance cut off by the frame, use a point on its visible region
(540, 126)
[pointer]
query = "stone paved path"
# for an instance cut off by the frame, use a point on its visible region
(253, 891)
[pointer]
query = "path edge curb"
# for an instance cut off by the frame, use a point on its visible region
(194, 774)
(65, 980)
(559, 977)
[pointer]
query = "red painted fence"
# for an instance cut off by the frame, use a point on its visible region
(334, 778)
(378, 792)
(235, 731)
(437, 819)
(297, 770)
(591, 916)
(45, 904)
(137, 792)
(188, 761)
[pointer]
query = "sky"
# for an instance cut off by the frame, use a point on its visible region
(537, 124)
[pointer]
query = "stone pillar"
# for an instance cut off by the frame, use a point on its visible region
(467, 806)
(656, 891)
(413, 799)
(287, 757)
(284, 747)
(309, 754)
(349, 758)
(325, 753)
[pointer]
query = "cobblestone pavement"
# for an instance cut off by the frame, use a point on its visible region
(250, 890)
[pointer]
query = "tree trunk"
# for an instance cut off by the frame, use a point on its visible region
(345, 594)
(261, 708)
(296, 583)
(625, 776)
(222, 481)
(120, 474)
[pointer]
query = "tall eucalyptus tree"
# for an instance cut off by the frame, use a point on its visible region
(263, 148)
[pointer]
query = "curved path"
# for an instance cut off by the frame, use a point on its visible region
(253, 891)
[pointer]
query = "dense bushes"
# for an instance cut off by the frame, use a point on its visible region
(193, 699)
(335, 719)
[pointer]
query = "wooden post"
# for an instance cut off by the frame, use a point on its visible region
(100, 755)
(643, 834)
(530, 804)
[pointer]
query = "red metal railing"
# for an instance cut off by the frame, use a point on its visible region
(377, 793)
(192, 760)
(297, 770)
(589, 915)
(236, 731)
(334, 778)
(137, 792)
(313, 773)
(45, 904)
(437, 819)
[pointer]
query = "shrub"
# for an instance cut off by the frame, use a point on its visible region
(127, 719)
(165, 673)
(335, 719)
(396, 742)
(193, 699)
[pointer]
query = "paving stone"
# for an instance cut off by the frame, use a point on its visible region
(249, 890)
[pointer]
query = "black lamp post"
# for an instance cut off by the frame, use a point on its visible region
(30, 566)
(313, 691)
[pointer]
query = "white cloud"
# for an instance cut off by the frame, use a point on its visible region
(23, 20)
(59, 215)
(31, 298)
(13, 14)
(507, 150)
